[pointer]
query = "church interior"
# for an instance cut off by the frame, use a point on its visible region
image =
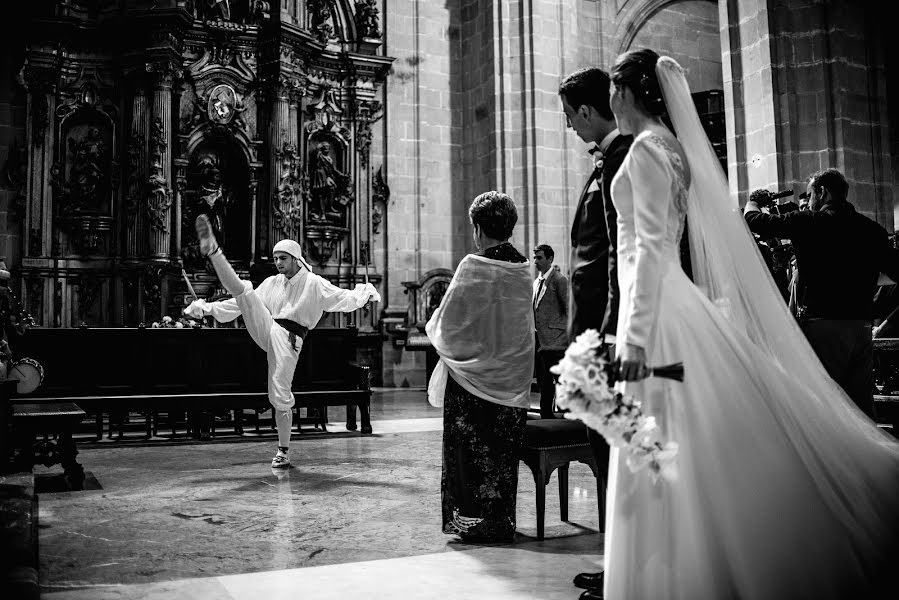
(362, 130)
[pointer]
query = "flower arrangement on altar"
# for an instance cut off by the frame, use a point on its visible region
(586, 388)
(168, 322)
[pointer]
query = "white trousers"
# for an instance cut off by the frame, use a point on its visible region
(282, 359)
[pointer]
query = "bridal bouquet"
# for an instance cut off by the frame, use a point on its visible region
(586, 389)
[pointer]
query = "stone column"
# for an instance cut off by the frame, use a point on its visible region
(137, 175)
(160, 194)
(280, 134)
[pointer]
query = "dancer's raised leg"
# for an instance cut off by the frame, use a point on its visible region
(210, 248)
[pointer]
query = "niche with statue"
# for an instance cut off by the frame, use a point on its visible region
(217, 186)
(83, 177)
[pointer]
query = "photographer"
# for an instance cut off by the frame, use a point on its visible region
(777, 254)
(840, 255)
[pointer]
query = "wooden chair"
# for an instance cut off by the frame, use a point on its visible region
(552, 444)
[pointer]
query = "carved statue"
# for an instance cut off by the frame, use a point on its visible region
(213, 10)
(159, 197)
(209, 197)
(88, 169)
(291, 189)
(328, 185)
(367, 18)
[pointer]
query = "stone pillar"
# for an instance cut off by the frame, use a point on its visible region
(280, 134)
(160, 194)
(804, 91)
(137, 175)
(39, 135)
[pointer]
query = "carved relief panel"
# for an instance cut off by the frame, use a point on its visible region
(85, 175)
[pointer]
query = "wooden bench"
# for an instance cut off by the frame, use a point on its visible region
(33, 421)
(114, 372)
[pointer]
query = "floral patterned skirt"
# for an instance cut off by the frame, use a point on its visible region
(481, 442)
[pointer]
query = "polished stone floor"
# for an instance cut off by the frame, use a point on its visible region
(354, 515)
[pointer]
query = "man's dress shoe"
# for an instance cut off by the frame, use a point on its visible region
(592, 595)
(589, 581)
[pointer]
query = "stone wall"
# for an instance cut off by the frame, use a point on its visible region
(806, 89)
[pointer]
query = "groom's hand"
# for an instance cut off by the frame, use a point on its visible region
(632, 363)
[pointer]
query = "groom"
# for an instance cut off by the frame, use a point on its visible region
(594, 276)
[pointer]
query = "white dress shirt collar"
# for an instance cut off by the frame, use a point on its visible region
(607, 141)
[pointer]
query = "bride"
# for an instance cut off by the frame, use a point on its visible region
(785, 489)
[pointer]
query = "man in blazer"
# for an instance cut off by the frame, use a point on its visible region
(551, 322)
(594, 275)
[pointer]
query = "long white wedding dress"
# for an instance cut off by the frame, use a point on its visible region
(784, 489)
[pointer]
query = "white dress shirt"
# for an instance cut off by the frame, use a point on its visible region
(301, 298)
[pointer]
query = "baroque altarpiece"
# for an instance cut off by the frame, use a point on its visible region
(143, 114)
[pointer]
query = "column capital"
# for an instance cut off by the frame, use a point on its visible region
(164, 73)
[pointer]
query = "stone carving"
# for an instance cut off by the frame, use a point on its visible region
(35, 242)
(249, 12)
(367, 19)
(16, 175)
(152, 293)
(209, 196)
(259, 11)
(132, 200)
(212, 10)
(87, 177)
(159, 194)
(129, 294)
(89, 286)
(380, 196)
(223, 104)
(159, 198)
(363, 141)
(291, 190)
(330, 193)
(321, 241)
(35, 295)
(320, 21)
(40, 109)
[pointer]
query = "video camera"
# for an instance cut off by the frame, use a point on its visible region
(765, 198)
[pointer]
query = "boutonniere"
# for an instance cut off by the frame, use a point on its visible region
(597, 160)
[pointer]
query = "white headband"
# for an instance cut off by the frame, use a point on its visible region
(292, 248)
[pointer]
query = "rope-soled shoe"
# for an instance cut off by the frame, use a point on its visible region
(208, 243)
(281, 461)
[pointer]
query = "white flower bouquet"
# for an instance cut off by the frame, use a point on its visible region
(586, 389)
(168, 322)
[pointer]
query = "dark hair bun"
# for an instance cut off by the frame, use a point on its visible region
(636, 70)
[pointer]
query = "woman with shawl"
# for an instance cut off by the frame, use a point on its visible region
(483, 332)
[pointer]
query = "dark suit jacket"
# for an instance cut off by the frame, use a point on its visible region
(594, 272)
(551, 313)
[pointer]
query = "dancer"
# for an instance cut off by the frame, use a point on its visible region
(278, 315)
(786, 490)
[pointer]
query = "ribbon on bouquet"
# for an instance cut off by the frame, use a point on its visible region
(673, 371)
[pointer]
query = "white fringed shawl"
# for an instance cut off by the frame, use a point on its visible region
(483, 332)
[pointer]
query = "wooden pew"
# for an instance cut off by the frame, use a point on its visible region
(109, 371)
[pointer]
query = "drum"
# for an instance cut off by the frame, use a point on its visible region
(30, 374)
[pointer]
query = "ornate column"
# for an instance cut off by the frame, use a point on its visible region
(137, 174)
(281, 144)
(159, 199)
(39, 134)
